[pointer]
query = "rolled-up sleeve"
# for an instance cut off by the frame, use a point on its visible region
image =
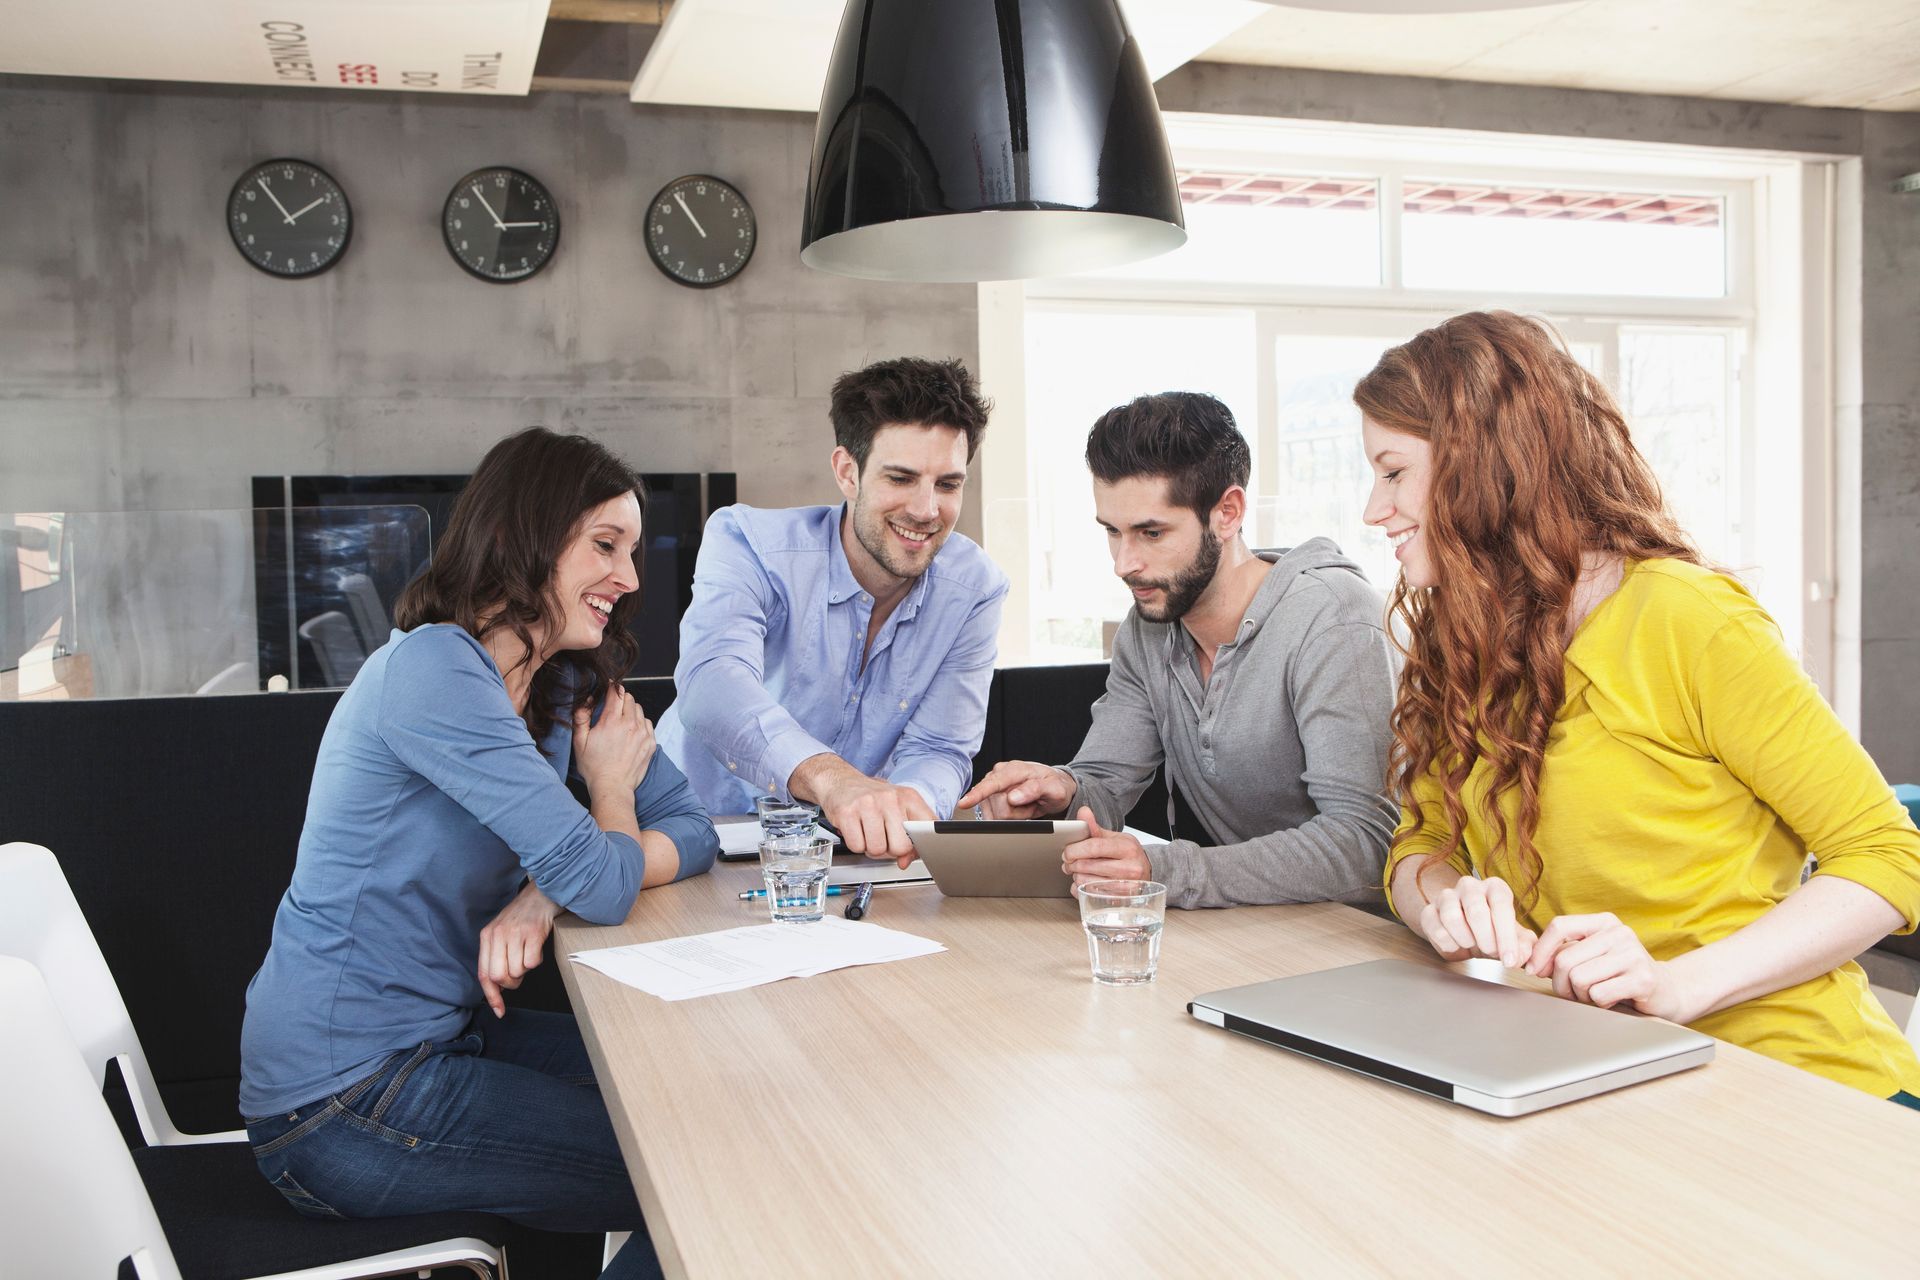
(445, 715)
(664, 802)
(722, 696)
(936, 749)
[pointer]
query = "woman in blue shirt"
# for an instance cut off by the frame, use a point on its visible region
(441, 841)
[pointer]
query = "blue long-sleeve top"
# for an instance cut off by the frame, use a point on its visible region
(775, 665)
(430, 805)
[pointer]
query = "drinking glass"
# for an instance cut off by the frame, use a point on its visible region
(785, 817)
(795, 868)
(1123, 919)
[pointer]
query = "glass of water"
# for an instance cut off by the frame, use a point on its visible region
(1123, 919)
(795, 868)
(785, 817)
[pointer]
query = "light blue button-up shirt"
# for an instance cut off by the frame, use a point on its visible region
(770, 666)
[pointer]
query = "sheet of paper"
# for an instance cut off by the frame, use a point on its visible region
(878, 872)
(744, 837)
(733, 959)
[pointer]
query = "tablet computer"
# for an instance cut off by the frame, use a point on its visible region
(997, 859)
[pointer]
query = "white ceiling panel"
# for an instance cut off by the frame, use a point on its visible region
(774, 53)
(1852, 53)
(429, 46)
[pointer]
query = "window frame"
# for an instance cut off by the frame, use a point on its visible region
(1751, 187)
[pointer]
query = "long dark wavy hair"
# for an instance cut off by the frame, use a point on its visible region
(1532, 467)
(493, 567)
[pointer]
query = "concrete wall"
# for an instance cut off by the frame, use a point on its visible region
(145, 365)
(1877, 400)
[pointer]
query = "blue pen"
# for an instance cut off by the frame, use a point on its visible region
(858, 907)
(833, 891)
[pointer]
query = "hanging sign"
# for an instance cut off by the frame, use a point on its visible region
(428, 46)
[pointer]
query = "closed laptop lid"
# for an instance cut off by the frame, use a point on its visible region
(1412, 1019)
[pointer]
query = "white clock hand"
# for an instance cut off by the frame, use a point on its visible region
(498, 225)
(276, 199)
(508, 226)
(690, 218)
(304, 208)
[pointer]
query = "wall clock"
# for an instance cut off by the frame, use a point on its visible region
(700, 231)
(500, 224)
(289, 218)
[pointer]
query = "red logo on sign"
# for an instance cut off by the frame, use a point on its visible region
(359, 73)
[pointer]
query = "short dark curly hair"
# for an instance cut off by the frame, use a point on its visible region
(1187, 437)
(905, 392)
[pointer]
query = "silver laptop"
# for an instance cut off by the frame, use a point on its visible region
(1498, 1049)
(997, 859)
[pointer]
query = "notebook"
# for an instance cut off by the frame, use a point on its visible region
(1499, 1049)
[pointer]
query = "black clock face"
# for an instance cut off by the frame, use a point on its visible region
(289, 218)
(700, 231)
(500, 225)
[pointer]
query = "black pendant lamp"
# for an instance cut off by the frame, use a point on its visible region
(987, 140)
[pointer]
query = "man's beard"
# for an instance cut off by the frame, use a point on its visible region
(1186, 587)
(870, 528)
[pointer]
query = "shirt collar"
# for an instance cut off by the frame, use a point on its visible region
(841, 584)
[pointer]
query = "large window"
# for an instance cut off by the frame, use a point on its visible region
(1301, 269)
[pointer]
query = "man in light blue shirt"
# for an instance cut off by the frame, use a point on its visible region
(841, 655)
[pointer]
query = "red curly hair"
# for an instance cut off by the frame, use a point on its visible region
(1532, 468)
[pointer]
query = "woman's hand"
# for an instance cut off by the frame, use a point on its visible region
(511, 943)
(1598, 960)
(613, 755)
(1474, 917)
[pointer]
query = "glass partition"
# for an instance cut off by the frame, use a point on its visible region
(129, 604)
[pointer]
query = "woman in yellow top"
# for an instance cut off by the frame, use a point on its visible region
(1611, 770)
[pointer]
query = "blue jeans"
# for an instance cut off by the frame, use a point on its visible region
(505, 1119)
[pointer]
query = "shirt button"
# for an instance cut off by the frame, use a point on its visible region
(903, 704)
(731, 767)
(854, 698)
(865, 598)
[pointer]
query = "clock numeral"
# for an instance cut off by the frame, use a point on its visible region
(500, 181)
(740, 233)
(465, 203)
(666, 208)
(249, 237)
(700, 188)
(736, 211)
(250, 196)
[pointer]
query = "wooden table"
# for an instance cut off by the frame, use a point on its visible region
(990, 1111)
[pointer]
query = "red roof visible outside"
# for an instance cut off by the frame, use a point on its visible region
(1478, 200)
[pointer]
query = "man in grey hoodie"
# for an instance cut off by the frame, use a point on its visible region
(1262, 680)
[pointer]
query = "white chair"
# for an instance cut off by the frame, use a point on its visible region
(72, 1201)
(41, 925)
(40, 921)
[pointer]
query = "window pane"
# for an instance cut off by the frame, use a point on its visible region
(1323, 477)
(1675, 388)
(1266, 228)
(1538, 240)
(1080, 363)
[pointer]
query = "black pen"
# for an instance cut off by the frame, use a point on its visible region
(858, 907)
